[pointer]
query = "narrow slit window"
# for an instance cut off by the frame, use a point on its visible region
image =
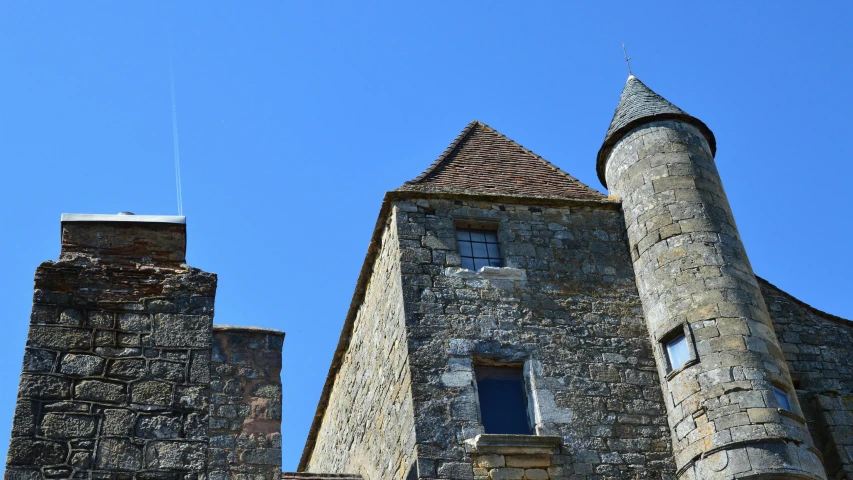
(782, 398)
(503, 402)
(677, 351)
(478, 248)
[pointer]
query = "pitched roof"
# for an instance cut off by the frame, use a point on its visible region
(483, 161)
(639, 104)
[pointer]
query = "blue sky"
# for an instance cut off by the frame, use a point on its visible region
(296, 117)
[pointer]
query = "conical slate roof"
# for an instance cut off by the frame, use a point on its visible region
(638, 104)
(483, 161)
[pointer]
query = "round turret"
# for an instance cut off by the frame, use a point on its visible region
(731, 406)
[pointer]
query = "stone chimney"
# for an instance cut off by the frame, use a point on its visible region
(116, 373)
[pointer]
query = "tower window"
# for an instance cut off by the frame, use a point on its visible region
(503, 402)
(478, 248)
(782, 398)
(677, 351)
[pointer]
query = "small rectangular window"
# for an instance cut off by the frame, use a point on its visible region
(677, 351)
(782, 398)
(503, 402)
(478, 248)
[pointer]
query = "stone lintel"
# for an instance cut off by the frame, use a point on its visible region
(504, 444)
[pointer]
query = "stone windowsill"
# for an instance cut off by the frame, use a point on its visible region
(504, 444)
(687, 364)
(502, 273)
(792, 415)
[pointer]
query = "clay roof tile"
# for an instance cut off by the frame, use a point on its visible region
(483, 161)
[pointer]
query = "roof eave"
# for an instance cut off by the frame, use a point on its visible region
(616, 136)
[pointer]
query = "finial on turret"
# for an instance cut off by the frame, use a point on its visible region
(627, 60)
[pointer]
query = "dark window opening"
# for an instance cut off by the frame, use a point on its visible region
(478, 248)
(413, 472)
(503, 402)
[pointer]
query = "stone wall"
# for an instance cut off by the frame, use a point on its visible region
(116, 370)
(368, 426)
(515, 457)
(245, 410)
(694, 279)
(819, 350)
(565, 306)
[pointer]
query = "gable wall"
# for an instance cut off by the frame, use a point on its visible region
(571, 315)
(368, 426)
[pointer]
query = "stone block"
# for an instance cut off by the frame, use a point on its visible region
(101, 319)
(26, 451)
(127, 368)
(82, 365)
(171, 371)
(536, 474)
(176, 455)
(134, 322)
(158, 426)
(191, 397)
(58, 338)
(528, 461)
(188, 331)
(491, 461)
(100, 391)
(456, 470)
(507, 474)
(151, 393)
(40, 361)
(67, 426)
(44, 387)
(118, 454)
(71, 316)
(119, 422)
(24, 420)
(262, 456)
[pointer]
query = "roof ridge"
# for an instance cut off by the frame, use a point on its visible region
(447, 151)
(466, 132)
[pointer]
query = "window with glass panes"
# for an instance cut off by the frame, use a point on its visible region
(782, 398)
(677, 351)
(478, 248)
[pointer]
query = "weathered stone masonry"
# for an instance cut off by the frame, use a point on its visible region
(692, 270)
(819, 351)
(368, 426)
(118, 380)
(116, 369)
(565, 306)
(245, 404)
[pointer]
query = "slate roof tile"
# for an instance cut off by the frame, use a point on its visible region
(483, 161)
(639, 104)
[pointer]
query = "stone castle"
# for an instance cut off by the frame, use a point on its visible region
(509, 322)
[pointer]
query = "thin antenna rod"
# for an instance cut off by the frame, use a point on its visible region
(175, 138)
(627, 60)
